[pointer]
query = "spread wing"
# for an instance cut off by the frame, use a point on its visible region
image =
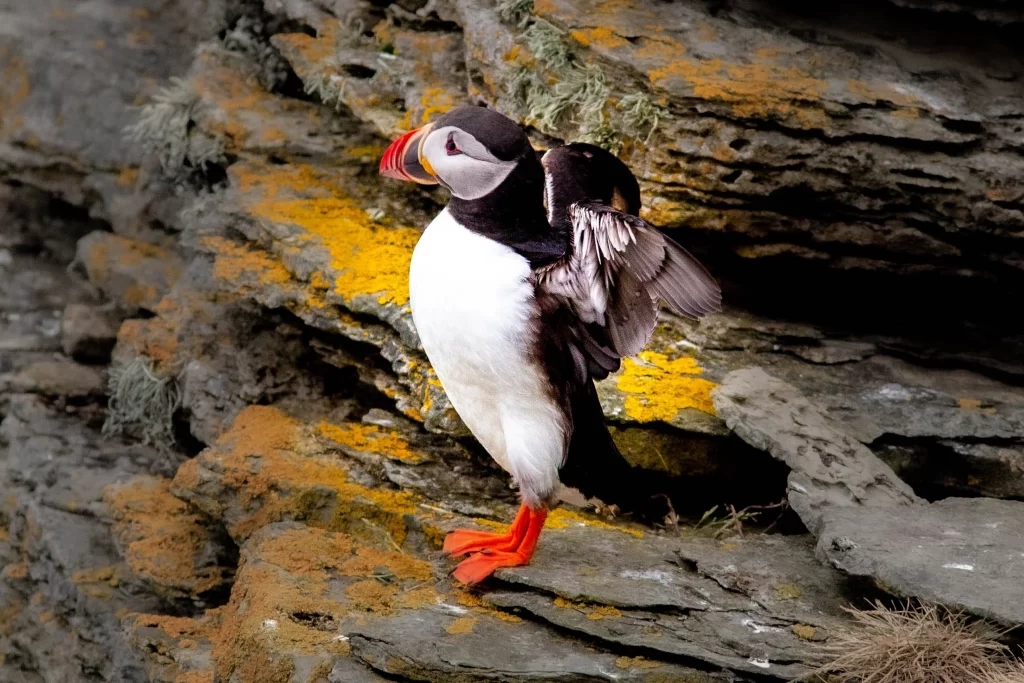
(617, 271)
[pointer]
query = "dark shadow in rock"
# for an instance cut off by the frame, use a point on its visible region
(938, 469)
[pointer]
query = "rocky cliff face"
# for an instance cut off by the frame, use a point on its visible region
(225, 457)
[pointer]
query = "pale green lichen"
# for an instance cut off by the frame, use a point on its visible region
(141, 403)
(547, 43)
(164, 129)
(515, 12)
(578, 95)
(641, 115)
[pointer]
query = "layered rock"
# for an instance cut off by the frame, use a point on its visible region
(280, 463)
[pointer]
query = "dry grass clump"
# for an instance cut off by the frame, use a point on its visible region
(917, 644)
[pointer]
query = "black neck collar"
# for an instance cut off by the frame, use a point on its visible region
(513, 214)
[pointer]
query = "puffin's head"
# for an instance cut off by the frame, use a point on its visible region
(582, 172)
(469, 150)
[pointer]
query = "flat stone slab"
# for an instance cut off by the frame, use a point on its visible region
(964, 553)
(753, 605)
(829, 468)
(439, 645)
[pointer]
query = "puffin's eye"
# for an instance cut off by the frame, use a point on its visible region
(450, 146)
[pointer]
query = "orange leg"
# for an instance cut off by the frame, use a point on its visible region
(463, 541)
(479, 566)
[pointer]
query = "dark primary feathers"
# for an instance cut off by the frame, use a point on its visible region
(619, 267)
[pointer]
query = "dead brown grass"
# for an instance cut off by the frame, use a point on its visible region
(917, 644)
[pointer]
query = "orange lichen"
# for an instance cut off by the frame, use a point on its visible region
(562, 518)
(760, 89)
(975, 404)
(18, 570)
(181, 627)
(594, 612)
(162, 540)
(314, 552)
(461, 625)
(110, 576)
(14, 90)
(278, 473)
(291, 594)
(603, 37)
(127, 177)
(467, 599)
(636, 663)
(130, 268)
(365, 258)
(237, 263)
(658, 387)
(369, 439)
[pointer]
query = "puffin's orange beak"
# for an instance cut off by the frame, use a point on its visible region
(404, 159)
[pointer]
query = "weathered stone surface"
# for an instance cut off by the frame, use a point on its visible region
(164, 542)
(961, 552)
(748, 605)
(437, 645)
(133, 273)
(828, 467)
(857, 192)
(58, 378)
(88, 333)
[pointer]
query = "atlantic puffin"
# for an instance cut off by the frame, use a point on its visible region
(536, 279)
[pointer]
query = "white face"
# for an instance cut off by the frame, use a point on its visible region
(463, 164)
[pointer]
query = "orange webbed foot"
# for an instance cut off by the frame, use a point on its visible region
(478, 567)
(463, 541)
(503, 550)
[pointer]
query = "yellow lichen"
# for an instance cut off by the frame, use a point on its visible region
(365, 258)
(787, 591)
(804, 631)
(658, 387)
(369, 439)
(562, 518)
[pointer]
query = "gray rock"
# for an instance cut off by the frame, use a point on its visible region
(749, 605)
(421, 645)
(964, 553)
(59, 378)
(88, 333)
(828, 467)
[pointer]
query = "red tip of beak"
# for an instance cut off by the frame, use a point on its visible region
(401, 159)
(392, 163)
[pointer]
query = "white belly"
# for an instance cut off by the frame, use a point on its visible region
(473, 307)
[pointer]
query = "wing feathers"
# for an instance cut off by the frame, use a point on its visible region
(619, 268)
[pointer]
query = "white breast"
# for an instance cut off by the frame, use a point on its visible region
(473, 306)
